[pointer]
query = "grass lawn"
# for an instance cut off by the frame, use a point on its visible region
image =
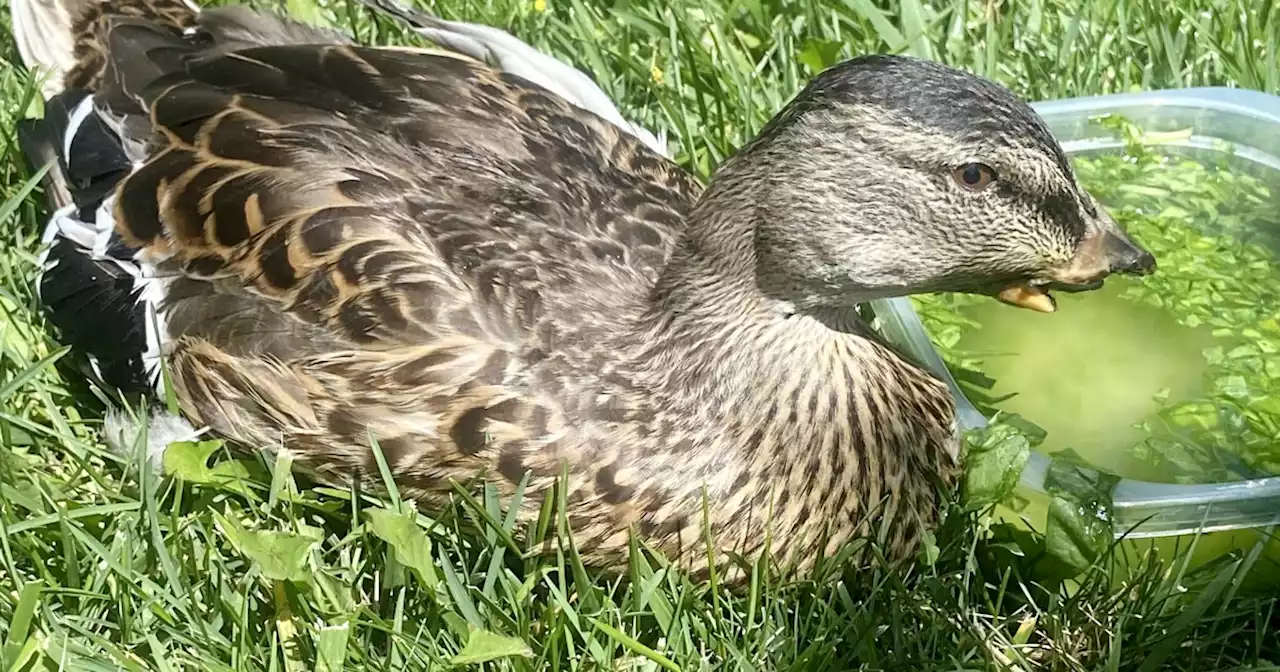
(105, 566)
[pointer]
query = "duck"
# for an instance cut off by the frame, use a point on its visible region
(352, 253)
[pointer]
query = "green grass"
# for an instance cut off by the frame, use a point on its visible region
(104, 566)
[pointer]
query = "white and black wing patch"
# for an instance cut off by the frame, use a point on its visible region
(93, 287)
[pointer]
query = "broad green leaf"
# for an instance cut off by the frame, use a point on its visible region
(483, 646)
(1074, 534)
(1034, 433)
(1270, 405)
(1234, 387)
(1079, 527)
(994, 461)
(189, 461)
(409, 542)
(282, 556)
(929, 551)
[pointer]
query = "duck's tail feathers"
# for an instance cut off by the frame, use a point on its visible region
(92, 286)
(42, 30)
(57, 39)
(122, 431)
(103, 295)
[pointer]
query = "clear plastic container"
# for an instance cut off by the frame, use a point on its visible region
(1246, 123)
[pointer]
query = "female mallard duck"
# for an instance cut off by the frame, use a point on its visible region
(335, 243)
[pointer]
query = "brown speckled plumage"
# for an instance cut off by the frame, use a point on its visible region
(485, 279)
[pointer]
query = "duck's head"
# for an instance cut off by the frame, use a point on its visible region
(889, 176)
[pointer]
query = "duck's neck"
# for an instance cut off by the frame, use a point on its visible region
(710, 328)
(706, 308)
(787, 396)
(712, 291)
(752, 390)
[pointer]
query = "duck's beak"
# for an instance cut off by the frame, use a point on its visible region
(1031, 297)
(1105, 249)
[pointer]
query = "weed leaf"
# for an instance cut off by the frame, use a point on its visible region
(409, 542)
(483, 646)
(281, 555)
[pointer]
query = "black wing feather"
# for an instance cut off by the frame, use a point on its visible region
(91, 300)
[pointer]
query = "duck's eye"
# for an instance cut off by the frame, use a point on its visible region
(974, 176)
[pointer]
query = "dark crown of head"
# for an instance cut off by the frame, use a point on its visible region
(929, 94)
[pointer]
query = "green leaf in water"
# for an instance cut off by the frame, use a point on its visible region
(1234, 387)
(1035, 434)
(1270, 405)
(1080, 525)
(994, 461)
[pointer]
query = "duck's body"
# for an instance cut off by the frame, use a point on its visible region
(341, 243)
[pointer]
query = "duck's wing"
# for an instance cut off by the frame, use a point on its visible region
(371, 197)
(507, 53)
(330, 241)
(353, 186)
